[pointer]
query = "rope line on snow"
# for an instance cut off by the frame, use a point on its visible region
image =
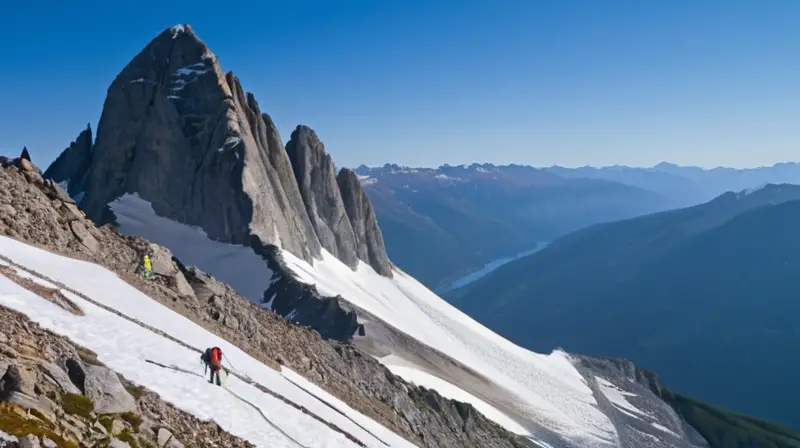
(235, 395)
(337, 410)
(163, 334)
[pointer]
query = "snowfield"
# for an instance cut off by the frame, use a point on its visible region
(445, 389)
(235, 265)
(124, 346)
(549, 389)
(617, 397)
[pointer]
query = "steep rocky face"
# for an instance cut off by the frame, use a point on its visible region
(183, 136)
(316, 177)
(71, 165)
(368, 235)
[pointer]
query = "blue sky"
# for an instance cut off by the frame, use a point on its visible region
(427, 82)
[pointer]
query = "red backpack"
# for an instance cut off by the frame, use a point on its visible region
(216, 356)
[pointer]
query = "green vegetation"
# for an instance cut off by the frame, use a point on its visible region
(107, 421)
(134, 420)
(13, 422)
(135, 391)
(77, 405)
(725, 429)
(36, 413)
(128, 438)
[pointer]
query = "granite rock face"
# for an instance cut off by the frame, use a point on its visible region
(368, 235)
(316, 177)
(185, 137)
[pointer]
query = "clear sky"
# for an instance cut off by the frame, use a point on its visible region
(427, 82)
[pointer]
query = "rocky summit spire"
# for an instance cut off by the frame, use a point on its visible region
(71, 165)
(185, 137)
(368, 235)
(316, 177)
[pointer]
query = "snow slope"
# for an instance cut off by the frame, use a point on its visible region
(550, 391)
(452, 392)
(617, 397)
(235, 265)
(124, 346)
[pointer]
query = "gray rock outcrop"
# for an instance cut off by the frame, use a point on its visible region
(104, 388)
(316, 177)
(368, 235)
(71, 165)
(183, 136)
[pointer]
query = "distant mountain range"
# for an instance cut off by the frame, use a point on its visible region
(707, 295)
(441, 224)
(687, 185)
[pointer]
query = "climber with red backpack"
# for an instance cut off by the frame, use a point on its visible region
(212, 358)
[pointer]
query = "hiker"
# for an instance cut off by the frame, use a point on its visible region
(212, 358)
(148, 267)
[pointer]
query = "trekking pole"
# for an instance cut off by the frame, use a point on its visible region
(235, 370)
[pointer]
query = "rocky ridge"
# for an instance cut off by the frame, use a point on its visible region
(38, 212)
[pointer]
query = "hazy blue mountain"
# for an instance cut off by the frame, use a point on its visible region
(441, 224)
(708, 296)
(687, 185)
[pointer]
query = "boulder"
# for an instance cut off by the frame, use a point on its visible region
(60, 377)
(29, 441)
(26, 401)
(55, 192)
(26, 165)
(7, 210)
(17, 379)
(104, 388)
(161, 259)
(166, 439)
(84, 236)
(70, 211)
(116, 443)
(33, 176)
(117, 426)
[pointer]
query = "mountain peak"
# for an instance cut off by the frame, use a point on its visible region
(180, 29)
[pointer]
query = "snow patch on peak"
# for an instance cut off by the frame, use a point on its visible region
(177, 30)
(617, 397)
(187, 75)
(193, 69)
(366, 180)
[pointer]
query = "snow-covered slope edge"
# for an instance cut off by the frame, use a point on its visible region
(127, 348)
(555, 396)
(39, 213)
